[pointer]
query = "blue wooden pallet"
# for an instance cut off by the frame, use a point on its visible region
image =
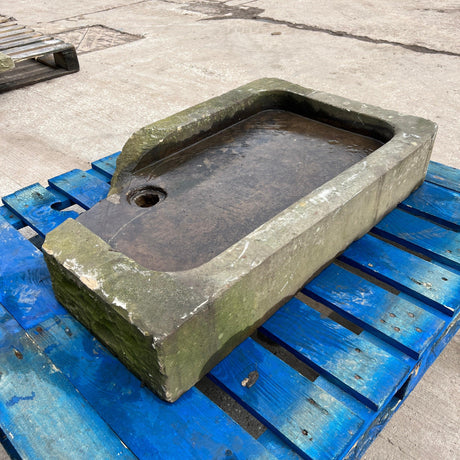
(374, 320)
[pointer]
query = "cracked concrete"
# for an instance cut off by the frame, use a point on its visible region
(186, 57)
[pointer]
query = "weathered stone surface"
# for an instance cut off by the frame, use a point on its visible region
(6, 63)
(171, 327)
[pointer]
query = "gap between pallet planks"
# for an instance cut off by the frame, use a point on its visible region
(335, 416)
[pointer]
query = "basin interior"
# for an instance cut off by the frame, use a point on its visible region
(187, 208)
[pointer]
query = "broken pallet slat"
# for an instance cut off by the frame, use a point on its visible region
(42, 413)
(356, 365)
(398, 322)
(435, 203)
(434, 285)
(316, 424)
(423, 236)
(443, 175)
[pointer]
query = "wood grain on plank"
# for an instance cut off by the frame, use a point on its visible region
(443, 175)
(41, 412)
(39, 207)
(435, 203)
(25, 285)
(106, 165)
(191, 428)
(426, 281)
(420, 235)
(82, 187)
(364, 370)
(319, 426)
(400, 323)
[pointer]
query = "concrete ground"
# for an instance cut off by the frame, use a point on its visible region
(144, 60)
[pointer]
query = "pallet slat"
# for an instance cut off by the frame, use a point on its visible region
(38, 207)
(122, 403)
(25, 286)
(18, 37)
(191, 428)
(7, 215)
(277, 447)
(41, 411)
(88, 364)
(398, 322)
(11, 26)
(430, 283)
(106, 165)
(28, 39)
(420, 235)
(365, 371)
(37, 49)
(316, 424)
(15, 31)
(435, 203)
(82, 187)
(443, 175)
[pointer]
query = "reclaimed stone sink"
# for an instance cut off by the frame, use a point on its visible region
(219, 214)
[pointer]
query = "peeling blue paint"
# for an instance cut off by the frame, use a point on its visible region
(15, 399)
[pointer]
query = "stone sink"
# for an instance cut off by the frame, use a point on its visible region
(219, 214)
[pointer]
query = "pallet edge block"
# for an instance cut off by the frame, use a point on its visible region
(170, 327)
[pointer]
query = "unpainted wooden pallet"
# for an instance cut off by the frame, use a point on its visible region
(37, 57)
(394, 298)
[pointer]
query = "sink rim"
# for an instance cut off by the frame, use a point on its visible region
(166, 307)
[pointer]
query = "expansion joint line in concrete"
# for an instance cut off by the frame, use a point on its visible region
(221, 11)
(363, 38)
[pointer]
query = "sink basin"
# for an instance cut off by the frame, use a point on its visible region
(187, 208)
(219, 214)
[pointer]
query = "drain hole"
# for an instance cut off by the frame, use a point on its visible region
(146, 197)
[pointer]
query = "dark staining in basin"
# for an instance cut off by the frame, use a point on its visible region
(182, 211)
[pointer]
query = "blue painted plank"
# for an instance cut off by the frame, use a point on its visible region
(277, 447)
(82, 187)
(420, 235)
(435, 203)
(10, 217)
(106, 165)
(364, 370)
(313, 422)
(443, 175)
(378, 423)
(396, 321)
(428, 358)
(25, 286)
(41, 413)
(38, 207)
(191, 428)
(426, 281)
